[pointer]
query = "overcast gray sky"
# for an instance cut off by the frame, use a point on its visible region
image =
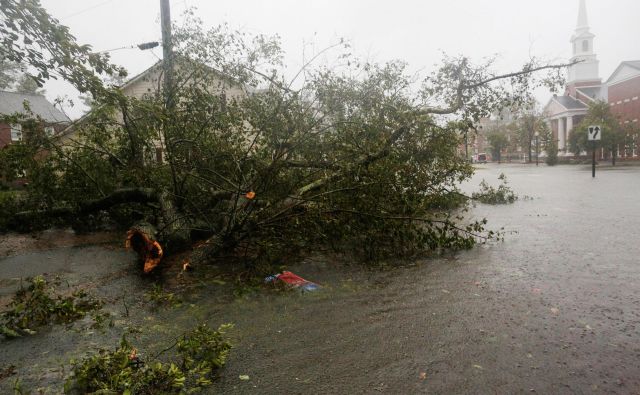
(412, 30)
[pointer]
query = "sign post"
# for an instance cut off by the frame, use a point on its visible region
(594, 133)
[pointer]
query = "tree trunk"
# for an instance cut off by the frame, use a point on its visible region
(613, 155)
(142, 239)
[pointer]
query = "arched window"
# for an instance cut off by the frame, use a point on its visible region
(585, 46)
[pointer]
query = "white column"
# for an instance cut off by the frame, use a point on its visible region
(561, 135)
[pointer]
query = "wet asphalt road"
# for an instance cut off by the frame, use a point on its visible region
(555, 308)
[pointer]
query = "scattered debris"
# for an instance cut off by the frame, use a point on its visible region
(555, 310)
(159, 297)
(244, 377)
(200, 353)
(423, 375)
(490, 195)
(292, 280)
(7, 372)
(36, 306)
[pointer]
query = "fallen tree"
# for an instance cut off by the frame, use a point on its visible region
(359, 159)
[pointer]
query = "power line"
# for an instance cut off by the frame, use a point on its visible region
(86, 10)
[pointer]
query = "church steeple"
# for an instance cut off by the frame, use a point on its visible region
(583, 22)
(582, 51)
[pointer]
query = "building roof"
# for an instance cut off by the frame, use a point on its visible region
(159, 63)
(570, 103)
(634, 64)
(590, 92)
(13, 102)
(141, 75)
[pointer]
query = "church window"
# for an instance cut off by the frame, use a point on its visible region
(585, 46)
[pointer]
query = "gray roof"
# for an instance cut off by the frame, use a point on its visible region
(570, 103)
(592, 92)
(633, 63)
(12, 102)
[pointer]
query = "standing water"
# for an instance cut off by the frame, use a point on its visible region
(551, 309)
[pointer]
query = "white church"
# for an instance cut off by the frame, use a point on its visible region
(584, 86)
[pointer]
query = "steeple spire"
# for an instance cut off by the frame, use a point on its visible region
(586, 70)
(583, 23)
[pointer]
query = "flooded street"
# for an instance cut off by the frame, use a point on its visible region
(552, 309)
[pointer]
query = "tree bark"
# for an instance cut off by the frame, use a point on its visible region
(613, 155)
(142, 239)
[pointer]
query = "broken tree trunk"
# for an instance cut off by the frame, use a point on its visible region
(142, 239)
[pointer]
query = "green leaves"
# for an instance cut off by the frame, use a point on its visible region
(201, 352)
(36, 306)
(29, 35)
(490, 195)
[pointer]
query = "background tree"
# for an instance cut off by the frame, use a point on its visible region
(8, 73)
(529, 124)
(550, 146)
(26, 84)
(498, 141)
(614, 133)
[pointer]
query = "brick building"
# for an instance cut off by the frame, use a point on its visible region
(584, 86)
(623, 90)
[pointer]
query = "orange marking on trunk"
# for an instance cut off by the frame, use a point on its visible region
(149, 251)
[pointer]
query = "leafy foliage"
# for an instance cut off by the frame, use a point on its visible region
(9, 203)
(36, 305)
(551, 148)
(159, 297)
(8, 73)
(29, 35)
(490, 195)
(531, 125)
(498, 142)
(200, 353)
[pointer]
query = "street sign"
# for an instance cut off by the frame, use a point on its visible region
(594, 133)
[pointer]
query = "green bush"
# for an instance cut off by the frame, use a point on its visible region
(8, 207)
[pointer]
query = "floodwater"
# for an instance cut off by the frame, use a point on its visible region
(554, 308)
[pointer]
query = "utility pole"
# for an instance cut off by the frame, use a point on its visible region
(167, 51)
